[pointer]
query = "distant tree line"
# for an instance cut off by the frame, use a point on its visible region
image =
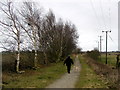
(94, 54)
(27, 28)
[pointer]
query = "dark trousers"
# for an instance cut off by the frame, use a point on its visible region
(68, 69)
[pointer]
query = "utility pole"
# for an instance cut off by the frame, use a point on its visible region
(106, 43)
(100, 45)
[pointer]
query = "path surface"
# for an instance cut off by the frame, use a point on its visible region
(68, 80)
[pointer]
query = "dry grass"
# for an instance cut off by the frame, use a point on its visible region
(88, 78)
(111, 75)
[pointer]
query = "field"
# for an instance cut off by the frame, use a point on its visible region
(88, 78)
(109, 71)
(111, 60)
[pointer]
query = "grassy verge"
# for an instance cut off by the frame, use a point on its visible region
(39, 78)
(111, 59)
(88, 78)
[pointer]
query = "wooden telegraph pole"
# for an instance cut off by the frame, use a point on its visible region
(100, 46)
(106, 44)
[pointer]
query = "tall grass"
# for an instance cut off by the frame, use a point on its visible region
(111, 59)
(88, 78)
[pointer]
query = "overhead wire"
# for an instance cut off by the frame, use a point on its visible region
(109, 13)
(112, 40)
(97, 18)
(91, 2)
(103, 18)
(110, 25)
(109, 18)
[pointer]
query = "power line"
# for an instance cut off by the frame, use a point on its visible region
(95, 12)
(102, 13)
(109, 13)
(100, 45)
(112, 40)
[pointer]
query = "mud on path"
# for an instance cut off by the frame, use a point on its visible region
(68, 80)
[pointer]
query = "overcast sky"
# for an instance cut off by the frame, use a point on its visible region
(90, 18)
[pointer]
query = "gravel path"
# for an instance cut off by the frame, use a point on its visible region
(68, 80)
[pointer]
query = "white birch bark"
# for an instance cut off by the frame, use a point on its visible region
(35, 45)
(35, 59)
(18, 52)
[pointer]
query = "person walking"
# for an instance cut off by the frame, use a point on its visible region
(68, 63)
(117, 62)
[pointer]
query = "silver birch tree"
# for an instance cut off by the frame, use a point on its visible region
(11, 30)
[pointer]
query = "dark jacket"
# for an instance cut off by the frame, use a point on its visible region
(68, 61)
(117, 57)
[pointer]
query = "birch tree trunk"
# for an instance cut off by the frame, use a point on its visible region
(11, 24)
(18, 52)
(18, 62)
(35, 59)
(45, 61)
(35, 45)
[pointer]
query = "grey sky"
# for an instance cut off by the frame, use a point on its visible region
(90, 18)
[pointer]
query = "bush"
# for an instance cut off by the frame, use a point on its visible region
(26, 60)
(94, 54)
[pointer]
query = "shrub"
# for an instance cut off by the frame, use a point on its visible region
(26, 60)
(94, 54)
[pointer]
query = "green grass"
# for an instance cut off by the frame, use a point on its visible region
(39, 78)
(111, 60)
(88, 78)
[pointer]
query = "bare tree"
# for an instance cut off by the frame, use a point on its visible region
(56, 38)
(70, 38)
(49, 35)
(11, 30)
(31, 15)
(53, 38)
(60, 31)
(43, 41)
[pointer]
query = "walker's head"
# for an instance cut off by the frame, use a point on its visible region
(118, 55)
(68, 56)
